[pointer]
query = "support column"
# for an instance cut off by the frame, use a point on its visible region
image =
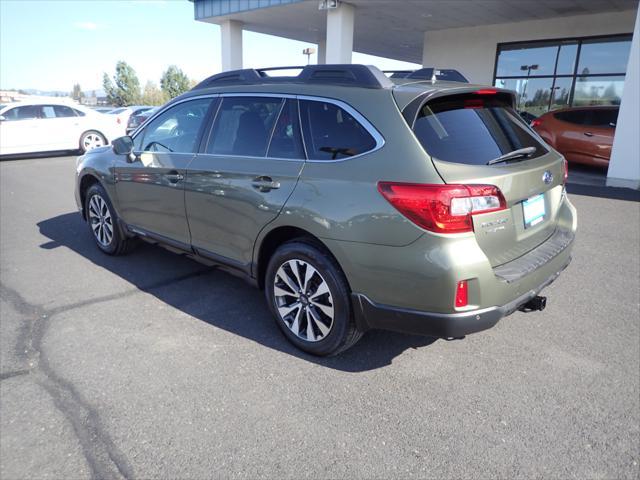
(322, 52)
(339, 41)
(425, 53)
(624, 166)
(231, 43)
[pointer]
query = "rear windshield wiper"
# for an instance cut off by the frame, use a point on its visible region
(520, 153)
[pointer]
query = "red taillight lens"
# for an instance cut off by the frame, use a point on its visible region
(486, 91)
(566, 170)
(442, 208)
(462, 296)
(536, 122)
(119, 120)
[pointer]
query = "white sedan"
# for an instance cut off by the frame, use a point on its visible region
(46, 126)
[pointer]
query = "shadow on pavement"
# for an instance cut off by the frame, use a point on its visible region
(215, 297)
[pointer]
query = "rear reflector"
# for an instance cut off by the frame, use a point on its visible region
(442, 208)
(462, 297)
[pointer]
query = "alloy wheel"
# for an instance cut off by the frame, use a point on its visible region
(91, 141)
(303, 300)
(100, 220)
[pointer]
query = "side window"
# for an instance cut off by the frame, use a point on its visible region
(243, 126)
(63, 111)
(78, 113)
(176, 130)
(606, 118)
(577, 117)
(27, 112)
(48, 111)
(331, 133)
(286, 141)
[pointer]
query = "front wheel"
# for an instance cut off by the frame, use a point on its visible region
(309, 297)
(103, 222)
(90, 140)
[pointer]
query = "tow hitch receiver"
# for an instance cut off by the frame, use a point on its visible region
(537, 303)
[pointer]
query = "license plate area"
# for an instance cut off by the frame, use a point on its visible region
(534, 211)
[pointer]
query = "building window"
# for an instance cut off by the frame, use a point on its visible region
(553, 74)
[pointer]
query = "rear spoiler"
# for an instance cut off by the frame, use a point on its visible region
(410, 112)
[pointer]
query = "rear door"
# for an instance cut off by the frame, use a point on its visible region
(243, 175)
(61, 127)
(462, 133)
(586, 135)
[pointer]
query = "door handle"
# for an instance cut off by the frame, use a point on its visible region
(173, 176)
(588, 134)
(264, 184)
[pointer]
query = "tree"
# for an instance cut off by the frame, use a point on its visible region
(174, 82)
(124, 90)
(152, 95)
(77, 94)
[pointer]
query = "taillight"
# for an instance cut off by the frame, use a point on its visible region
(462, 295)
(442, 208)
(536, 122)
(565, 164)
(119, 120)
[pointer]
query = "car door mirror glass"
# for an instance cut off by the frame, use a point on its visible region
(123, 145)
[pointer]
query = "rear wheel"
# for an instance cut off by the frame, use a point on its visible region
(90, 140)
(103, 222)
(309, 298)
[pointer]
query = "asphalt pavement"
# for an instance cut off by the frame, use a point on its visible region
(153, 366)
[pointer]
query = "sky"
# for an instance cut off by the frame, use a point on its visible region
(52, 45)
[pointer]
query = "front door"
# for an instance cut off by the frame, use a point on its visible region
(242, 179)
(20, 130)
(150, 189)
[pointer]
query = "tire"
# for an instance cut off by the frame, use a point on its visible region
(319, 319)
(103, 222)
(90, 140)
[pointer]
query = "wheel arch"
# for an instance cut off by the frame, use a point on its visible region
(87, 180)
(278, 236)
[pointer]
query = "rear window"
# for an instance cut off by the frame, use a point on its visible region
(472, 129)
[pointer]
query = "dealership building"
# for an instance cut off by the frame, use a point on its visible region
(553, 53)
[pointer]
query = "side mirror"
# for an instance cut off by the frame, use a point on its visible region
(122, 145)
(2, 118)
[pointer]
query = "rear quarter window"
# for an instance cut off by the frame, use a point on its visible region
(332, 133)
(472, 129)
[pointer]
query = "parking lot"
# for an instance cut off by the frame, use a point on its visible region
(151, 365)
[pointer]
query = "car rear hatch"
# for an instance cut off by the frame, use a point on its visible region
(465, 130)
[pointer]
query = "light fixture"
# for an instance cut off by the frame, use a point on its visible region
(328, 4)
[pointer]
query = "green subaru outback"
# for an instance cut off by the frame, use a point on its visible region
(353, 200)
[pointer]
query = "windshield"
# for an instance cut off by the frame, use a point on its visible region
(472, 129)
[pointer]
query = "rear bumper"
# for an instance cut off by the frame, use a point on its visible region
(370, 315)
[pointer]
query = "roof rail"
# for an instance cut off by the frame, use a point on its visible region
(398, 73)
(365, 76)
(434, 74)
